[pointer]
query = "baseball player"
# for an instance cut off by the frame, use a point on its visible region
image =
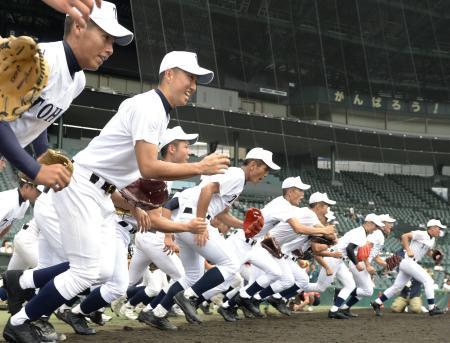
(15, 203)
(82, 48)
(416, 245)
(152, 247)
(78, 10)
(347, 246)
(274, 269)
(363, 280)
(126, 149)
(211, 198)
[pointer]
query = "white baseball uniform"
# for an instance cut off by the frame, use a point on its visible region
(25, 253)
(85, 209)
(12, 207)
(409, 268)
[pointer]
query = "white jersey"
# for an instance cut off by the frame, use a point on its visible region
(420, 244)
(231, 184)
(277, 211)
(54, 100)
(111, 154)
(377, 240)
(10, 208)
(285, 235)
(356, 236)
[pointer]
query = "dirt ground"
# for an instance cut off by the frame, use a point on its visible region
(301, 327)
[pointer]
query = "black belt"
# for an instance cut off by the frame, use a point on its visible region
(124, 224)
(25, 227)
(288, 257)
(189, 211)
(250, 241)
(107, 187)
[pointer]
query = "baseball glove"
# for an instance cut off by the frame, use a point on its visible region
(51, 157)
(146, 194)
(253, 222)
(363, 252)
(23, 75)
(272, 246)
(392, 262)
(437, 256)
(303, 255)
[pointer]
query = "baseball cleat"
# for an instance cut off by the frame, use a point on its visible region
(204, 307)
(435, 311)
(45, 329)
(279, 305)
(127, 311)
(16, 295)
(24, 333)
(77, 321)
(336, 315)
(249, 305)
(149, 318)
(188, 306)
(377, 308)
(348, 313)
(96, 317)
(226, 313)
(235, 313)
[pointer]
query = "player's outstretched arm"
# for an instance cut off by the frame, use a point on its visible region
(228, 219)
(152, 168)
(79, 10)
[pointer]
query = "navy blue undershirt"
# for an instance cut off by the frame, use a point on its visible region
(9, 145)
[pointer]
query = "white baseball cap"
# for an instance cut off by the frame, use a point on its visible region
(177, 133)
(321, 197)
(372, 217)
(295, 182)
(387, 218)
(436, 222)
(263, 155)
(188, 62)
(106, 18)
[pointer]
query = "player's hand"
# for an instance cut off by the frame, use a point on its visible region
(202, 238)
(143, 220)
(214, 164)
(329, 230)
(329, 271)
(336, 254)
(410, 253)
(170, 246)
(370, 269)
(55, 176)
(197, 225)
(78, 10)
(360, 266)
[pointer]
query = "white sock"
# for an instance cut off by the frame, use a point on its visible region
(147, 308)
(344, 307)
(160, 311)
(19, 318)
(244, 294)
(77, 310)
(190, 293)
(226, 304)
(431, 306)
(277, 296)
(26, 279)
(334, 308)
(378, 301)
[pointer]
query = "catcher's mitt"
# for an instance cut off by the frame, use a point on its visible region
(392, 262)
(303, 255)
(23, 75)
(146, 194)
(363, 252)
(50, 157)
(437, 256)
(272, 246)
(253, 222)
